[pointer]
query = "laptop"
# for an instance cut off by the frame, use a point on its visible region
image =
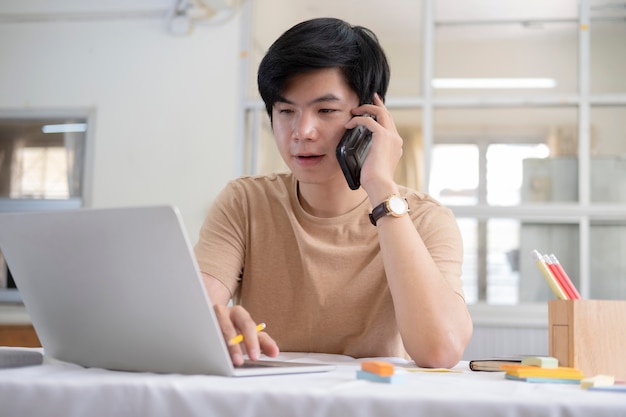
(120, 289)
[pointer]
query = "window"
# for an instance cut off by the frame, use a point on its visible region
(458, 177)
(42, 167)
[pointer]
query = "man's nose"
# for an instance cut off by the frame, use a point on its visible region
(305, 127)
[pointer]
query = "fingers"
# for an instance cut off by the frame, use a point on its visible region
(376, 110)
(380, 122)
(237, 321)
(243, 323)
(268, 345)
(229, 331)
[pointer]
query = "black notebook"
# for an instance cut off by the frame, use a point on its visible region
(494, 364)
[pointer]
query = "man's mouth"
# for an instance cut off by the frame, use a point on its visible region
(308, 158)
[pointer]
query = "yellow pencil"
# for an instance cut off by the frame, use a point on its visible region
(552, 282)
(239, 338)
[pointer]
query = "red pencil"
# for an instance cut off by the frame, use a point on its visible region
(563, 278)
(558, 277)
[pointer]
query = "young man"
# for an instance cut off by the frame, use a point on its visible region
(299, 251)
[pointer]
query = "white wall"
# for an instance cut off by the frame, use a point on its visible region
(164, 106)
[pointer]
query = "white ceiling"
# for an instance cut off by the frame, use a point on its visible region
(394, 20)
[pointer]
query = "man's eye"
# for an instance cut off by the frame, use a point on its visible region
(327, 110)
(285, 111)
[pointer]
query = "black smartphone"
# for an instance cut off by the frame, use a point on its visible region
(351, 153)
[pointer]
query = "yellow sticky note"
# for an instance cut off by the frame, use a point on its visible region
(598, 381)
(541, 361)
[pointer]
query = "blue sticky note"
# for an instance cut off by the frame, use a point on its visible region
(393, 379)
(543, 380)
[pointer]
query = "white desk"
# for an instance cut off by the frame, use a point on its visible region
(55, 389)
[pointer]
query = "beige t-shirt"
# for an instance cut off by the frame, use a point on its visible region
(318, 283)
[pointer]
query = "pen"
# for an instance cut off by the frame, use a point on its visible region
(554, 285)
(239, 338)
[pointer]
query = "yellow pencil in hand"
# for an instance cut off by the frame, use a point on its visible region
(239, 338)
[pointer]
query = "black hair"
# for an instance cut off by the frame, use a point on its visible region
(325, 43)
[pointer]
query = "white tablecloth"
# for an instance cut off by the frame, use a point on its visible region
(59, 389)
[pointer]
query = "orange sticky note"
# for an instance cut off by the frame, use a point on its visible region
(379, 368)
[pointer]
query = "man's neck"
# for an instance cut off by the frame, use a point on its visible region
(326, 200)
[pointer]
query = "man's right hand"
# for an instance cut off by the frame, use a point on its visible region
(236, 320)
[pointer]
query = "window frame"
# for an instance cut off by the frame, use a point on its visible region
(9, 295)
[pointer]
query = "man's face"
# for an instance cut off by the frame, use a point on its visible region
(308, 123)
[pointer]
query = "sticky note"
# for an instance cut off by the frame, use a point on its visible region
(523, 371)
(379, 368)
(541, 361)
(597, 381)
(392, 379)
(543, 379)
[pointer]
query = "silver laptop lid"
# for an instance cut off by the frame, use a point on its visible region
(115, 288)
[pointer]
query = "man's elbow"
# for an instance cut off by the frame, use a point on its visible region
(445, 353)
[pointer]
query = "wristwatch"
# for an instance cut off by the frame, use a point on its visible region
(394, 205)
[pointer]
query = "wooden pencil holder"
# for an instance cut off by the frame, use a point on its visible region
(589, 335)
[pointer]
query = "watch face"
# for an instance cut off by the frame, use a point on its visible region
(397, 205)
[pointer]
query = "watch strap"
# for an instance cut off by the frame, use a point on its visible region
(378, 212)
